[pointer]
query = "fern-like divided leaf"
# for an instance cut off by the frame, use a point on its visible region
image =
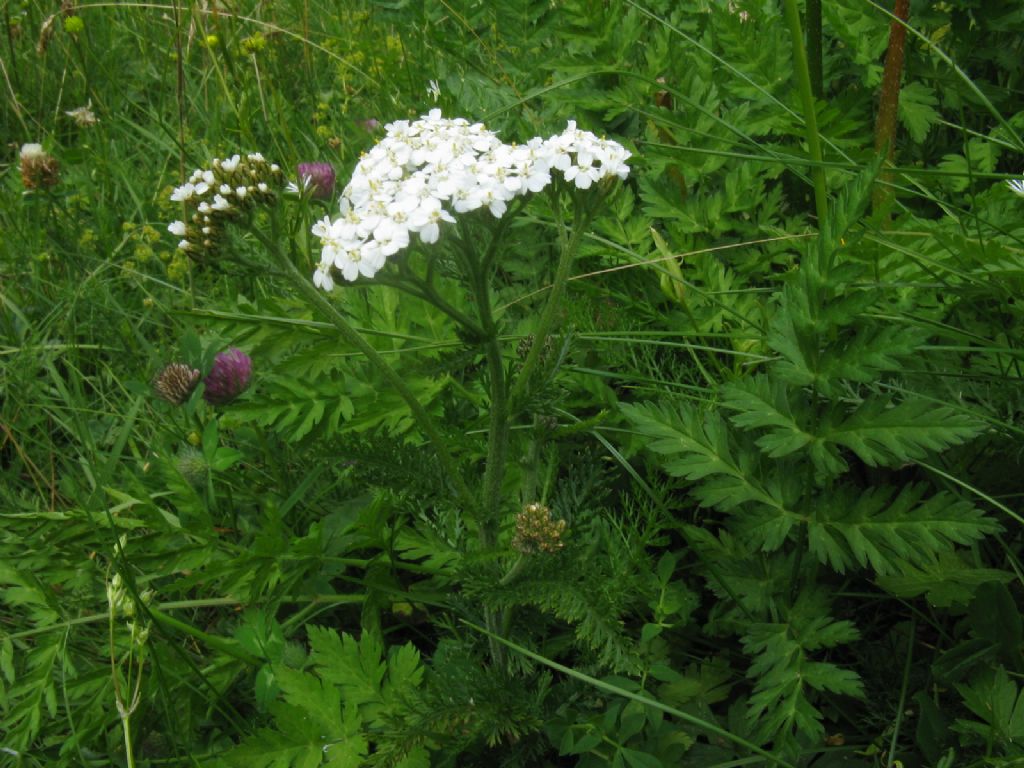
(331, 716)
(810, 358)
(764, 402)
(700, 449)
(781, 707)
(995, 699)
(891, 531)
(884, 434)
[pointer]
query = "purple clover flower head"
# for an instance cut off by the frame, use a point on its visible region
(320, 177)
(229, 377)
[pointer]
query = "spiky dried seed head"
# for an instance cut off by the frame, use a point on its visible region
(176, 382)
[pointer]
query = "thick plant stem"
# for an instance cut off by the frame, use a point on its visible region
(349, 334)
(803, 81)
(813, 17)
(497, 445)
(889, 101)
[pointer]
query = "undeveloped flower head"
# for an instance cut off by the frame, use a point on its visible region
(176, 382)
(39, 170)
(192, 466)
(537, 531)
(320, 179)
(229, 377)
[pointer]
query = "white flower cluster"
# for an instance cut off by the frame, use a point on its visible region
(422, 173)
(222, 190)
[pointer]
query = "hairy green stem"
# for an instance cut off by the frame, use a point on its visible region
(803, 81)
(351, 336)
(547, 318)
(498, 429)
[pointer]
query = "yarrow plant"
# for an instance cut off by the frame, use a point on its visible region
(422, 179)
(221, 192)
(423, 173)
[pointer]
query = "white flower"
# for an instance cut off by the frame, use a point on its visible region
(230, 165)
(32, 151)
(391, 236)
(434, 90)
(424, 172)
(220, 204)
(1016, 186)
(426, 220)
(322, 278)
(176, 228)
(182, 193)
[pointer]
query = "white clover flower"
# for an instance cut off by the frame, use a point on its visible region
(424, 172)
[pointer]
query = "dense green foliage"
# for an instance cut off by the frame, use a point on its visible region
(782, 430)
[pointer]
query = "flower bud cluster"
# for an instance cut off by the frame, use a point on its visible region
(216, 194)
(424, 172)
(537, 531)
(122, 604)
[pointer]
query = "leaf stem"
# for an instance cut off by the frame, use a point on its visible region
(803, 81)
(352, 337)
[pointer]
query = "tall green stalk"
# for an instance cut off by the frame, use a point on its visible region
(814, 47)
(569, 246)
(803, 81)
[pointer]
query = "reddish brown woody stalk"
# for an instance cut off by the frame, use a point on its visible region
(889, 100)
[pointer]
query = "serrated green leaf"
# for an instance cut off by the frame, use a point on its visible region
(917, 110)
(698, 447)
(276, 749)
(355, 666)
(888, 435)
(889, 531)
